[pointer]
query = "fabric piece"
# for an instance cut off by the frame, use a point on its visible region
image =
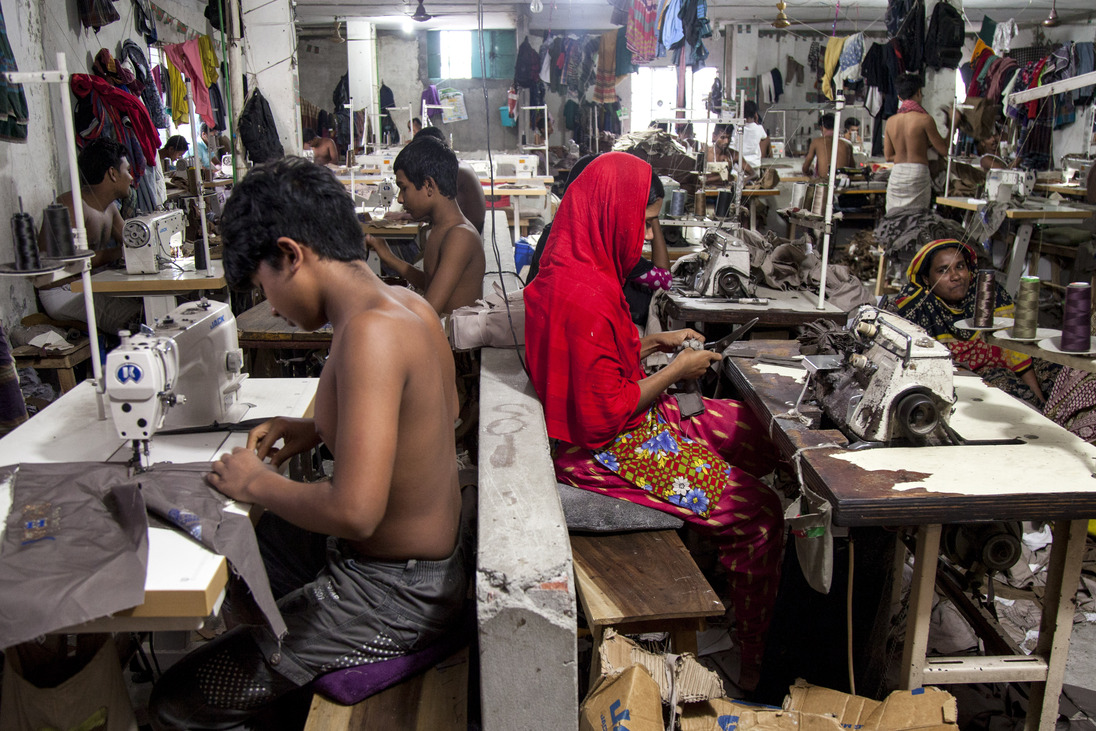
(1072, 403)
(833, 57)
(909, 185)
(1003, 35)
(95, 14)
(176, 94)
(107, 67)
(431, 98)
(625, 62)
(93, 699)
(13, 101)
(149, 93)
(187, 58)
(793, 72)
(590, 512)
(605, 85)
(124, 112)
(210, 64)
(217, 105)
(257, 129)
(852, 54)
(746, 523)
(75, 532)
(587, 377)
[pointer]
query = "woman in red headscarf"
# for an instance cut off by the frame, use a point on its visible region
(618, 431)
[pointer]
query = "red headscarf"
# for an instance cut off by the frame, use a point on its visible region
(581, 345)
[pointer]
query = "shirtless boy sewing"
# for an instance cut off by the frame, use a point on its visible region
(453, 261)
(369, 564)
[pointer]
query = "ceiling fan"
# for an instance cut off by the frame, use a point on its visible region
(420, 15)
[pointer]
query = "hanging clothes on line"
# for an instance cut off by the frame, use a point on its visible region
(149, 93)
(125, 116)
(13, 102)
(187, 58)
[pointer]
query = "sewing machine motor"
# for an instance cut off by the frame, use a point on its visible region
(185, 372)
(895, 382)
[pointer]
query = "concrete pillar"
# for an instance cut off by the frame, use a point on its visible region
(361, 54)
(270, 62)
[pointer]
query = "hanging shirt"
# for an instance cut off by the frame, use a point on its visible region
(187, 57)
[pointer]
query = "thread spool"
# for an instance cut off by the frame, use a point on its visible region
(723, 204)
(58, 229)
(26, 243)
(1026, 324)
(677, 203)
(1076, 314)
(985, 296)
(799, 194)
(700, 204)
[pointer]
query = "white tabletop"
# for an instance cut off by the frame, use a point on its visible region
(184, 582)
(179, 278)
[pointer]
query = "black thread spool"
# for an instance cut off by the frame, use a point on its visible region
(985, 296)
(1076, 318)
(723, 204)
(26, 243)
(58, 226)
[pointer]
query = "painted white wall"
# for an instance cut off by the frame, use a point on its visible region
(269, 57)
(322, 64)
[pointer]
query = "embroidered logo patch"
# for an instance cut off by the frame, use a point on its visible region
(41, 521)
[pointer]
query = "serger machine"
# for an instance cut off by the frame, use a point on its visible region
(893, 382)
(185, 372)
(146, 240)
(722, 269)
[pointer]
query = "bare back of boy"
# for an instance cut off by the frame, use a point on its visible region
(394, 345)
(454, 264)
(908, 137)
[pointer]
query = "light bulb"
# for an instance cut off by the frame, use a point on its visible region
(536, 6)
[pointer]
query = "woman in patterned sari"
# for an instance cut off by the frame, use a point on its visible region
(617, 432)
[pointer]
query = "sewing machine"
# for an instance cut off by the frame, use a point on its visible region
(722, 269)
(518, 166)
(185, 372)
(893, 382)
(1075, 167)
(380, 195)
(146, 240)
(1021, 183)
(379, 162)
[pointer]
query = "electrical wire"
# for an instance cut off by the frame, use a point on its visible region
(848, 615)
(491, 168)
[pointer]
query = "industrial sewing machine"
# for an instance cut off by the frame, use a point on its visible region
(149, 239)
(1020, 182)
(892, 382)
(722, 269)
(185, 372)
(1075, 168)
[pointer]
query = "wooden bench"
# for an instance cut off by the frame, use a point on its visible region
(641, 582)
(62, 361)
(435, 700)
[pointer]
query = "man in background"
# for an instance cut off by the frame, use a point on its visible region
(906, 141)
(819, 154)
(755, 141)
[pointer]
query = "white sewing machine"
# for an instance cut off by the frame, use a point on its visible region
(185, 372)
(1020, 182)
(377, 162)
(894, 381)
(148, 239)
(518, 166)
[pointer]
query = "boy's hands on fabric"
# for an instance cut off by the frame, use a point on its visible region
(297, 435)
(233, 473)
(692, 364)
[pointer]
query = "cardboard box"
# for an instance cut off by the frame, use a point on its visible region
(723, 714)
(924, 709)
(693, 681)
(629, 701)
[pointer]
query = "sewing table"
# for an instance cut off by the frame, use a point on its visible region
(927, 487)
(185, 583)
(785, 309)
(157, 290)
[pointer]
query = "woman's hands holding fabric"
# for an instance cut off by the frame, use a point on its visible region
(667, 342)
(298, 435)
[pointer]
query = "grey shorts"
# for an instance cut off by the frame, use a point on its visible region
(357, 611)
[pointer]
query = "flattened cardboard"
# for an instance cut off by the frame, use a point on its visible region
(694, 682)
(723, 714)
(629, 700)
(924, 709)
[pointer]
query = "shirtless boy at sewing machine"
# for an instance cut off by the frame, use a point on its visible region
(453, 261)
(371, 563)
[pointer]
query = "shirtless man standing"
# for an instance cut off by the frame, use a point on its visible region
(821, 150)
(372, 563)
(906, 141)
(104, 169)
(453, 260)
